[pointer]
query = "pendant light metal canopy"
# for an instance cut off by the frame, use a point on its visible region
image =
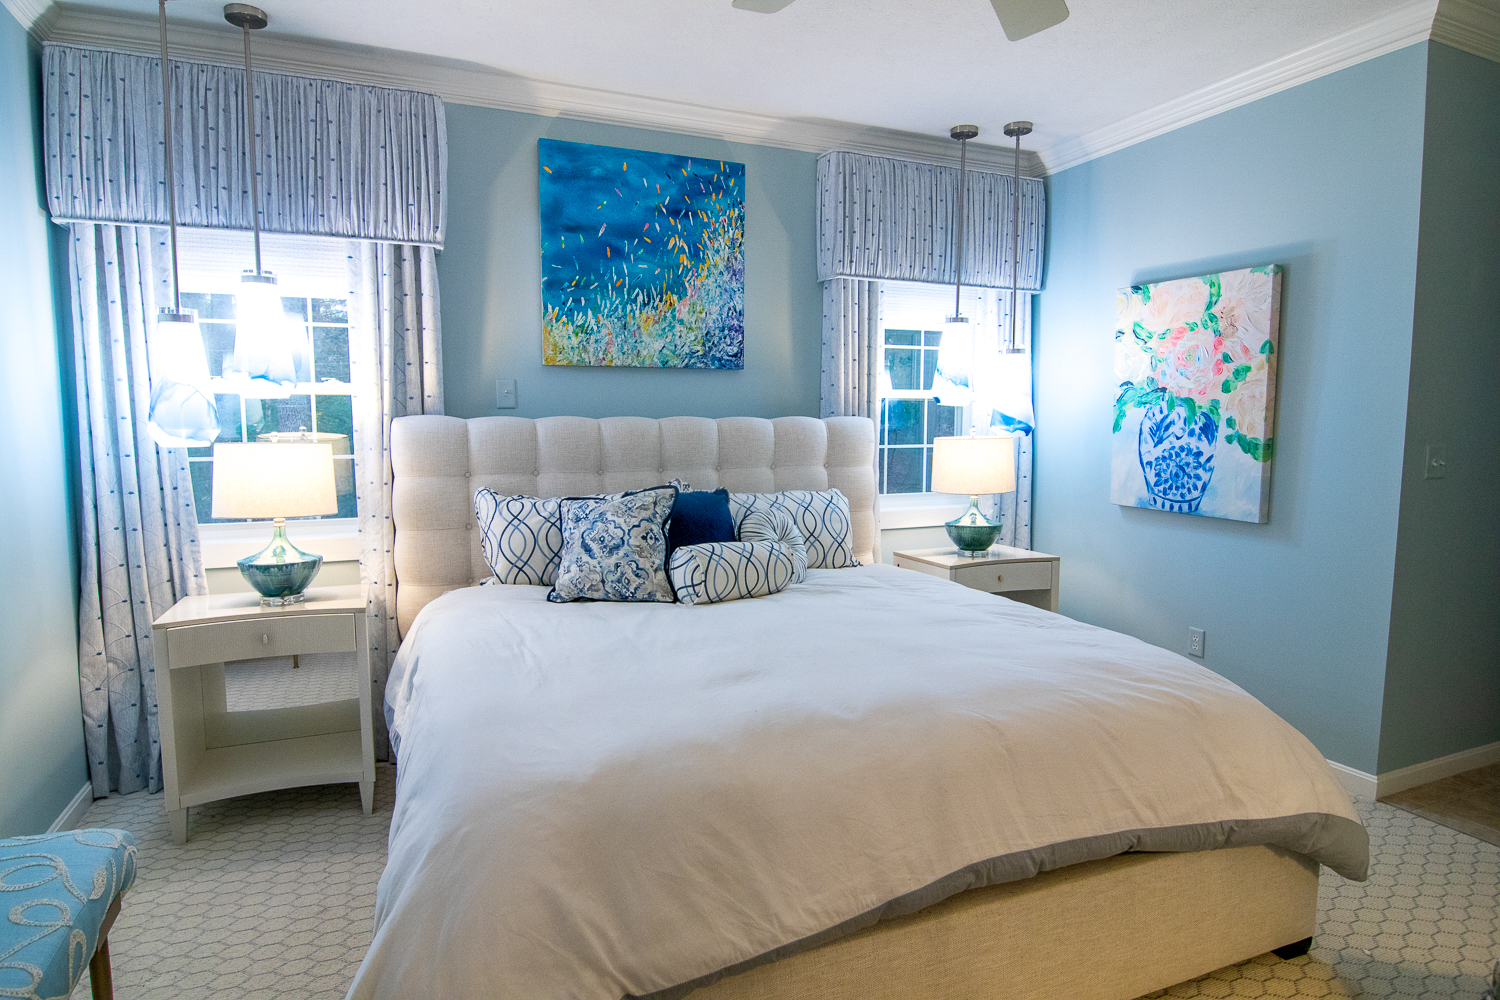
(1016, 130)
(268, 347)
(183, 413)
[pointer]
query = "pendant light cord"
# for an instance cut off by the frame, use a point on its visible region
(1015, 244)
(958, 275)
(253, 161)
(166, 110)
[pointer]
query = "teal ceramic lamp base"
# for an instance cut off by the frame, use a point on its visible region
(972, 532)
(280, 572)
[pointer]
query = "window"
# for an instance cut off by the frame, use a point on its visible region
(310, 275)
(910, 417)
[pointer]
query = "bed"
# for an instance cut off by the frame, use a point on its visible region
(872, 784)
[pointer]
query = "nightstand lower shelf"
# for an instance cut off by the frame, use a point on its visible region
(224, 772)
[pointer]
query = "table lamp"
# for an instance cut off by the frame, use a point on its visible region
(279, 481)
(973, 465)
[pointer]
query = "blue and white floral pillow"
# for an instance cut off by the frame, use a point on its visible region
(521, 537)
(615, 548)
(728, 571)
(822, 516)
(773, 525)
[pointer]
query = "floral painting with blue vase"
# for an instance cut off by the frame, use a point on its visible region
(1194, 418)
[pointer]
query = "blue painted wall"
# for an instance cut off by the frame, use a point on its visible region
(1442, 684)
(490, 276)
(41, 728)
(1324, 179)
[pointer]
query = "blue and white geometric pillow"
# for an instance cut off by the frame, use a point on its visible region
(774, 525)
(728, 571)
(822, 516)
(615, 548)
(521, 537)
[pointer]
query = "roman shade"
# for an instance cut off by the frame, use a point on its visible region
(892, 220)
(336, 159)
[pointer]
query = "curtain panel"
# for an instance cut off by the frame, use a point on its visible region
(335, 159)
(892, 219)
(138, 528)
(396, 366)
(851, 348)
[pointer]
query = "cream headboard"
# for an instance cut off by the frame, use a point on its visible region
(438, 464)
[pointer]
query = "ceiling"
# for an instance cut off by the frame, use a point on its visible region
(913, 65)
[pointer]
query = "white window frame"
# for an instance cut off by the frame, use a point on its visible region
(909, 305)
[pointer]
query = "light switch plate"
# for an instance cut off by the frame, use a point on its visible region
(1437, 462)
(505, 394)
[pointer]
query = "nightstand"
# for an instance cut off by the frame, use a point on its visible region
(1020, 574)
(250, 699)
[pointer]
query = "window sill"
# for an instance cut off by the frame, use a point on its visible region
(919, 510)
(222, 545)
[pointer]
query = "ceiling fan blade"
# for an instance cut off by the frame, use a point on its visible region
(1021, 18)
(762, 6)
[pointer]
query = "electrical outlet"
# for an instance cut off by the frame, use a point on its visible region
(505, 394)
(1437, 462)
(1196, 637)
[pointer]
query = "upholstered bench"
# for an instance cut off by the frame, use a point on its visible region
(59, 894)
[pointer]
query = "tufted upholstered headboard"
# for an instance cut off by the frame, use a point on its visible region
(438, 463)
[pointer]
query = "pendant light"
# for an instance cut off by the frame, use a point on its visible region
(183, 413)
(269, 348)
(957, 349)
(1015, 130)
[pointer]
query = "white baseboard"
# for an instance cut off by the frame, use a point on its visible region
(1358, 784)
(72, 814)
(1400, 780)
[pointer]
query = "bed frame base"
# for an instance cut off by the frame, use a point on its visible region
(1114, 929)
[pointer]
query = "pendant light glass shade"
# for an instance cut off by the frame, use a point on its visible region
(183, 412)
(271, 350)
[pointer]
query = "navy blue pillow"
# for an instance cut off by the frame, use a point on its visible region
(699, 517)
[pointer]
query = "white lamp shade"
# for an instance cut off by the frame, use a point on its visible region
(974, 465)
(270, 350)
(183, 413)
(258, 481)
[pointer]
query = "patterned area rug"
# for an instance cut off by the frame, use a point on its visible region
(272, 896)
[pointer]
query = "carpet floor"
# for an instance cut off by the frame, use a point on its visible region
(272, 897)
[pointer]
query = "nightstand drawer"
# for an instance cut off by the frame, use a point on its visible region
(251, 640)
(1005, 576)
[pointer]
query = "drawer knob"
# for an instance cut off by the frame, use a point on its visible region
(999, 577)
(265, 640)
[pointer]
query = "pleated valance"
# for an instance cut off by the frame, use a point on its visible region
(892, 220)
(336, 159)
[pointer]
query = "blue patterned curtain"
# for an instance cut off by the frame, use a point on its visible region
(396, 366)
(139, 530)
(336, 159)
(892, 219)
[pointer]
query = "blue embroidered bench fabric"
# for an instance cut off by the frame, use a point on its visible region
(55, 890)
(822, 516)
(615, 548)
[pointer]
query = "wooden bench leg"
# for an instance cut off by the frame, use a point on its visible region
(100, 979)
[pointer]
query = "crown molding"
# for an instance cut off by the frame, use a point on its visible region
(1405, 26)
(26, 11)
(462, 82)
(1470, 25)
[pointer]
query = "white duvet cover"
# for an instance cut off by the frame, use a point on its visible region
(597, 800)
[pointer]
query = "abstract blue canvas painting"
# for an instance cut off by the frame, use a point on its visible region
(643, 260)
